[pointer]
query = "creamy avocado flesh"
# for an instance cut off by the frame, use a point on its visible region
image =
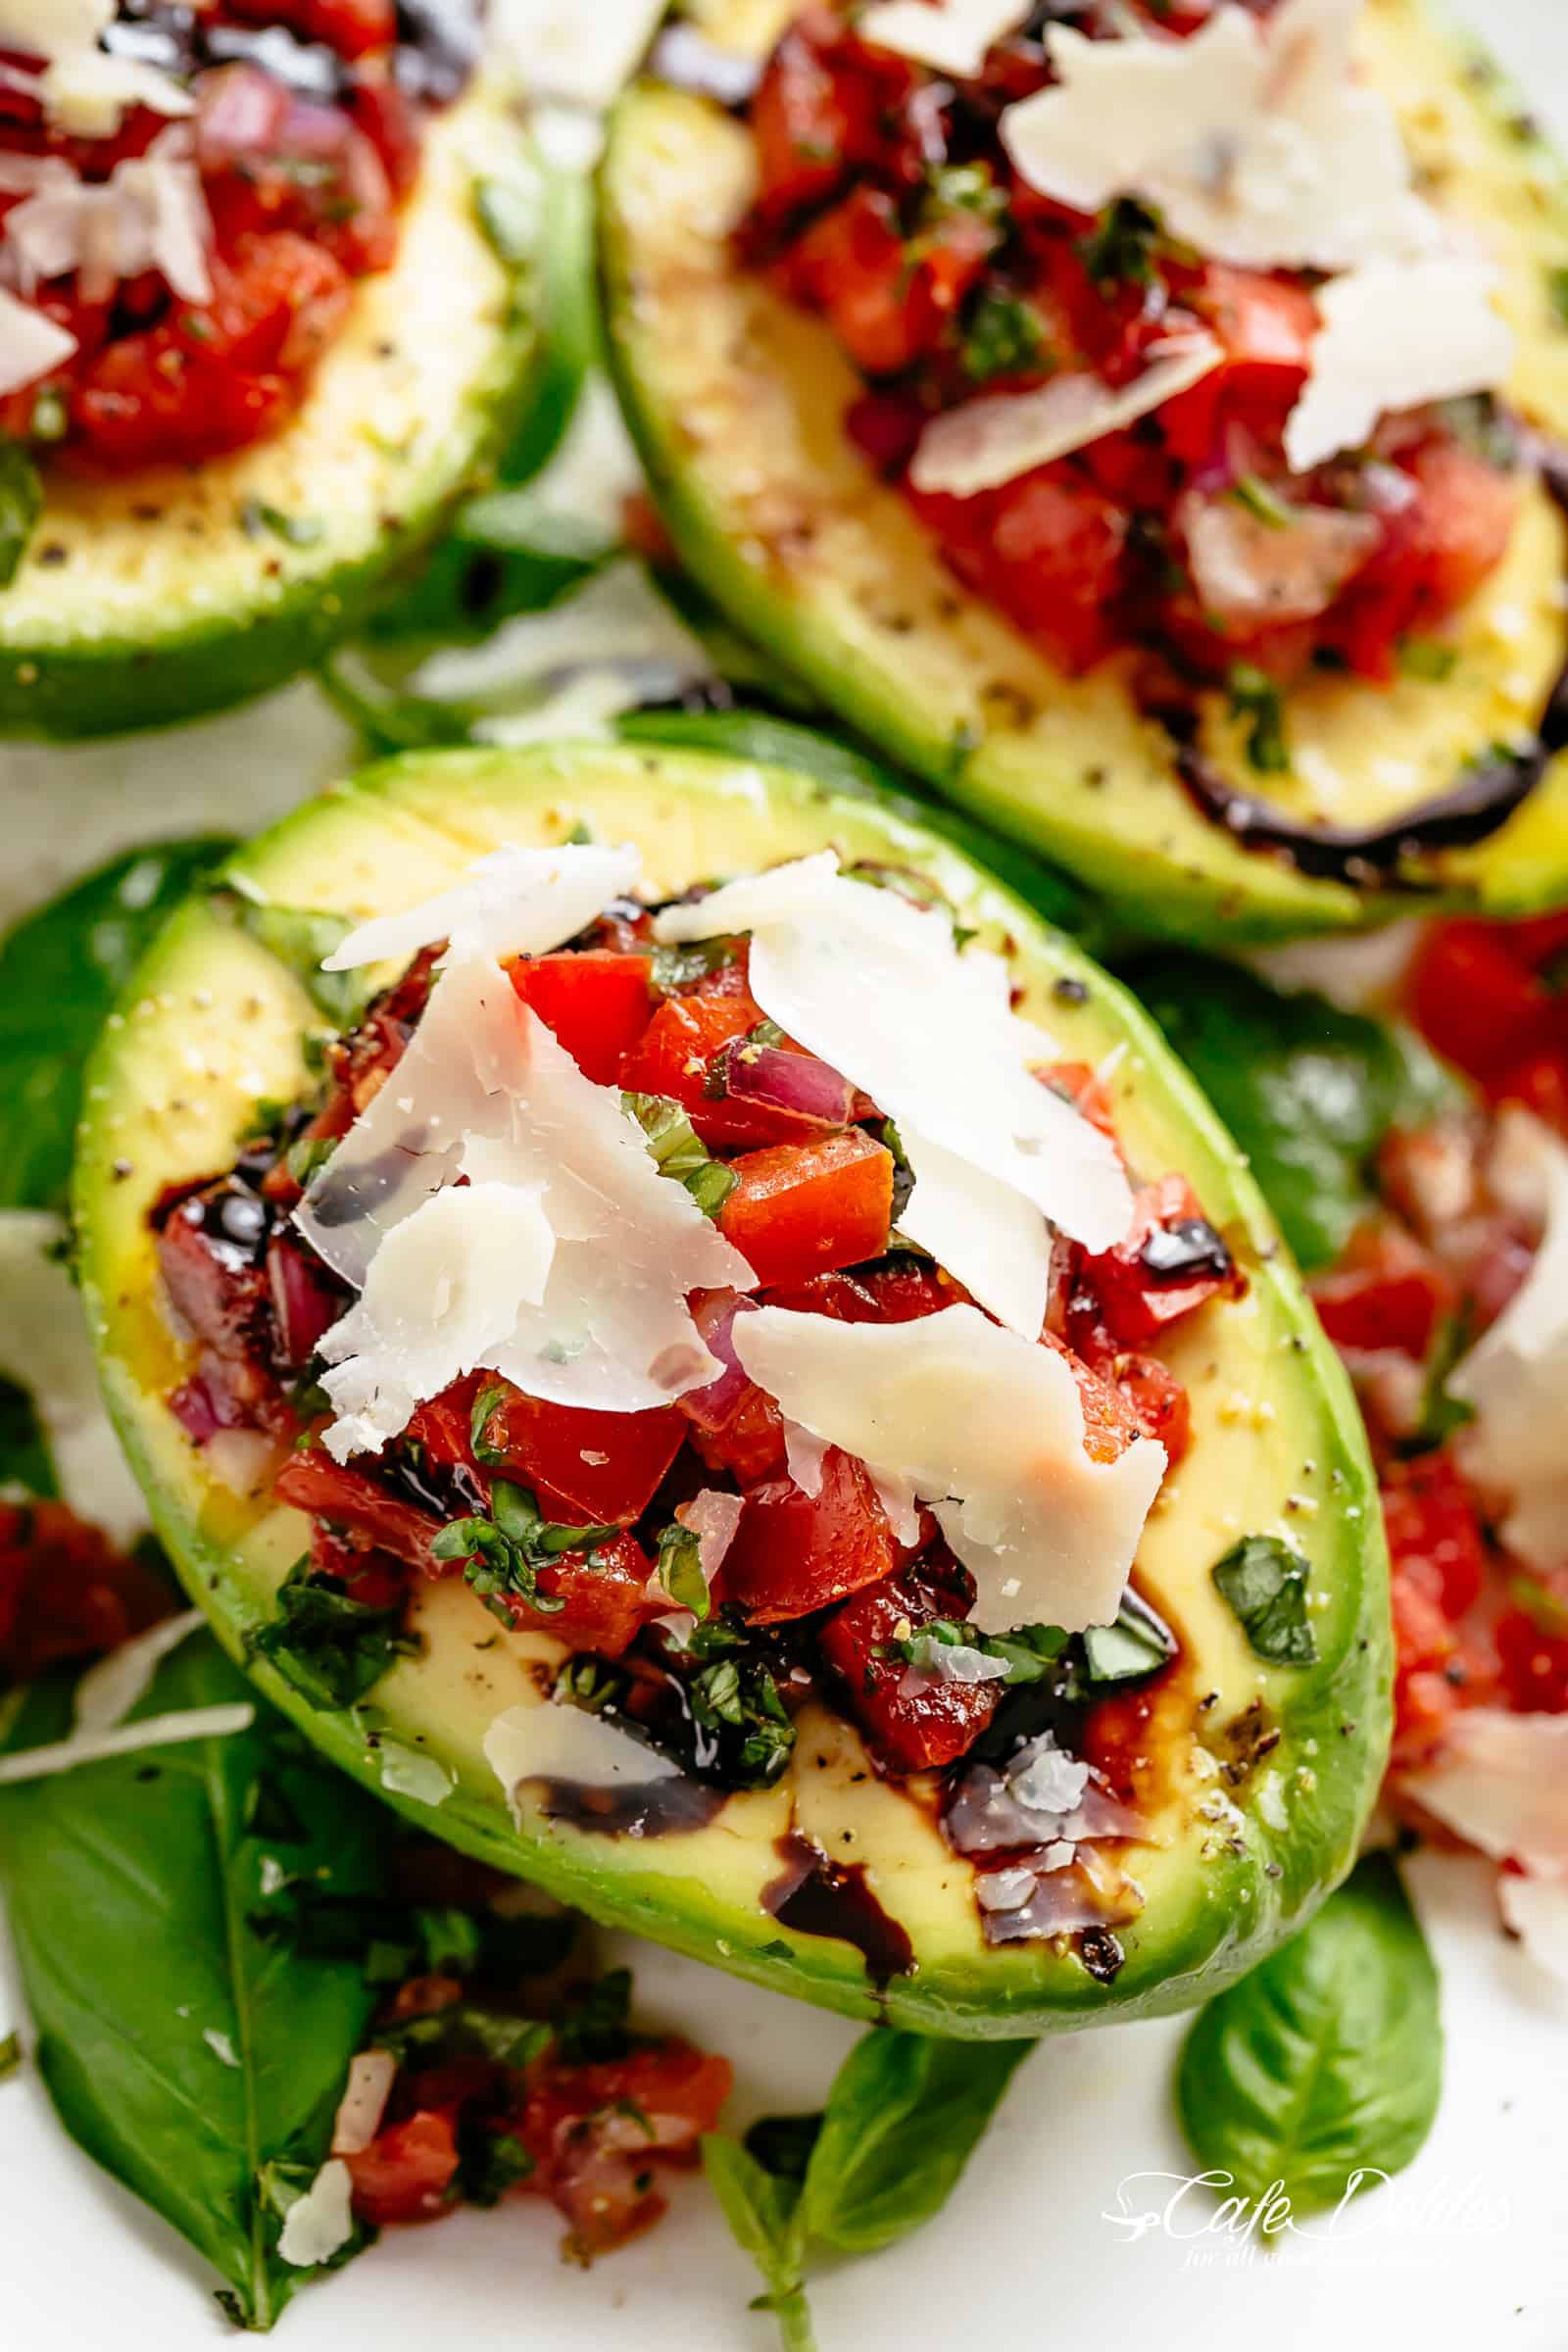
(166, 592)
(737, 398)
(214, 1024)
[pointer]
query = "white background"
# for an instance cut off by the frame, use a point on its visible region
(1469, 2248)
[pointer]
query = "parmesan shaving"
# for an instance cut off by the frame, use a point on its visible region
(31, 346)
(84, 91)
(952, 35)
(515, 901)
(1537, 1911)
(1516, 1377)
(986, 1426)
(321, 2222)
(1395, 335)
(551, 1742)
(1253, 139)
(111, 1688)
(876, 987)
(371, 2074)
(712, 1518)
(1500, 1781)
(995, 438)
(149, 214)
(125, 1740)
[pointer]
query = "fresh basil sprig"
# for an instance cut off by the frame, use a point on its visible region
(904, 2117)
(504, 1552)
(60, 970)
(198, 2060)
(1327, 2061)
(1265, 1583)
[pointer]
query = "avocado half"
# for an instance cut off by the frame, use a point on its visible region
(736, 398)
(1236, 1854)
(165, 593)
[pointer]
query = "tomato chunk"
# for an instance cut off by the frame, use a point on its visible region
(604, 1597)
(583, 1467)
(1533, 1659)
(916, 1728)
(735, 1425)
(406, 2172)
(1171, 1263)
(65, 1592)
(1387, 1292)
(597, 1004)
(594, 2133)
(794, 1553)
(1479, 1001)
(800, 1209)
(313, 1481)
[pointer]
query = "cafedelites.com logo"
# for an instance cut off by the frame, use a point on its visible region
(1205, 2213)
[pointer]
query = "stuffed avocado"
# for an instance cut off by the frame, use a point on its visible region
(774, 1762)
(1230, 695)
(316, 333)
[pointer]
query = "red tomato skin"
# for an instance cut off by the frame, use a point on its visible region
(1387, 1292)
(1048, 550)
(919, 1730)
(595, 1003)
(406, 2172)
(604, 1595)
(596, 2132)
(794, 1553)
(65, 1592)
(313, 1481)
(1477, 1000)
(800, 1209)
(1135, 1305)
(1534, 1663)
(547, 1447)
(675, 1057)
(1434, 1532)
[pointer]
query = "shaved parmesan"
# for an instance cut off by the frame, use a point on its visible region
(586, 1251)
(149, 214)
(31, 346)
(578, 55)
(514, 902)
(1516, 1377)
(987, 1429)
(1537, 1911)
(1253, 139)
(50, 28)
(83, 90)
(109, 1689)
(408, 1771)
(1001, 435)
(125, 1740)
(551, 1742)
(321, 2222)
(371, 2074)
(876, 987)
(45, 1349)
(1501, 1783)
(712, 1518)
(1395, 334)
(953, 35)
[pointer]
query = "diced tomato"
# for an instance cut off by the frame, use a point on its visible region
(1477, 1000)
(1437, 550)
(914, 1729)
(605, 1593)
(803, 1209)
(677, 1055)
(794, 1553)
(597, 1004)
(1434, 1531)
(1135, 1298)
(810, 122)
(735, 1425)
(1157, 1400)
(390, 121)
(901, 1291)
(1266, 325)
(1541, 1084)
(596, 2132)
(65, 1592)
(1386, 1292)
(406, 2174)
(1085, 1089)
(311, 1481)
(442, 1427)
(1048, 550)
(1109, 1422)
(888, 298)
(1533, 1660)
(584, 1467)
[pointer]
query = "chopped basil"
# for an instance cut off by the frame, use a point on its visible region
(503, 1555)
(330, 1647)
(1427, 658)
(1003, 337)
(679, 1153)
(734, 1697)
(1262, 501)
(967, 189)
(1256, 698)
(467, 2029)
(1264, 1581)
(1029, 1651)
(597, 2030)
(1121, 249)
(681, 1570)
(677, 967)
(308, 1156)
(1137, 1644)
(486, 1404)
(20, 505)
(295, 530)
(489, 2164)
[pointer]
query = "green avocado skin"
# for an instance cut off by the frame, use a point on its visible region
(1241, 1882)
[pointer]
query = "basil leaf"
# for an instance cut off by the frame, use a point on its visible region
(60, 970)
(681, 1570)
(1265, 1583)
(1137, 1643)
(1327, 2061)
(1308, 1092)
(903, 2119)
(187, 2053)
(331, 1647)
(20, 505)
(763, 2212)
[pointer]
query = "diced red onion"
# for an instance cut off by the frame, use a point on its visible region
(713, 1407)
(797, 1083)
(303, 1308)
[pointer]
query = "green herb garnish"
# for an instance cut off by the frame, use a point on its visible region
(1264, 1581)
(20, 505)
(1254, 698)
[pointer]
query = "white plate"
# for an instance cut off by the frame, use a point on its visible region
(1469, 2249)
